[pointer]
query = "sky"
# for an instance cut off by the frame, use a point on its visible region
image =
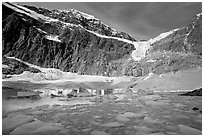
(141, 20)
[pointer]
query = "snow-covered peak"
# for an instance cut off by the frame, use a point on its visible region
(199, 14)
(79, 13)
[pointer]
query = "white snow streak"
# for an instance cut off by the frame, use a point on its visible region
(53, 38)
(162, 35)
(151, 60)
(41, 30)
(5, 66)
(149, 76)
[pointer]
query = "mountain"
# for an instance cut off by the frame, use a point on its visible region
(87, 21)
(53, 39)
(73, 41)
(176, 50)
(187, 39)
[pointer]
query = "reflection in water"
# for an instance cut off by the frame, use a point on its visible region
(10, 88)
(14, 104)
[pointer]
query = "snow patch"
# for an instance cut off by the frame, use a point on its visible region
(161, 75)
(162, 35)
(149, 76)
(41, 30)
(5, 66)
(198, 15)
(24, 19)
(85, 15)
(51, 20)
(150, 60)
(53, 38)
(140, 50)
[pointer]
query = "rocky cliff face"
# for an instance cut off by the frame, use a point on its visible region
(79, 18)
(187, 39)
(179, 50)
(52, 43)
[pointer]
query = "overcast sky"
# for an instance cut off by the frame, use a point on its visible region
(140, 20)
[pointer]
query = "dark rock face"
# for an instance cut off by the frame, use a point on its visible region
(77, 51)
(163, 63)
